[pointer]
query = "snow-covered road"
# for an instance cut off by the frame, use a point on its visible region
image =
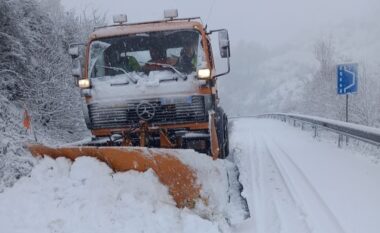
(293, 183)
(297, 184)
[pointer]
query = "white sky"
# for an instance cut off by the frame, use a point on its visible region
(268, 22)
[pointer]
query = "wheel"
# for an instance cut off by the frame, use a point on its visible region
(222, 133)
(226, 137)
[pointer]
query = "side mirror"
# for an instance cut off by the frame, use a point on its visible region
(76, 71)
(224, 47)
(224, 44)
(74, 51)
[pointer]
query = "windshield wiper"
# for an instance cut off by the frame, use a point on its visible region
(120, 84)
(184, 77)
(122, 70)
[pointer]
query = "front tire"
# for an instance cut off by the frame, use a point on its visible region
(222, 133)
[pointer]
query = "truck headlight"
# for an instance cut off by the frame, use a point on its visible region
(84, 83)
(204, 73)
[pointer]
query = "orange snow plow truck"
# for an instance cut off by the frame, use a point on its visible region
(148, 86)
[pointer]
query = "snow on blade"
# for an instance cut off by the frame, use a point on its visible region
(87, 196)
(220, 187)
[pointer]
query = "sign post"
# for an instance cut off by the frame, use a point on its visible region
(347, 81)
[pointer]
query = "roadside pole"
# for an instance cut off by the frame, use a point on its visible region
(346, 115)
(346, 107)
(347, 82)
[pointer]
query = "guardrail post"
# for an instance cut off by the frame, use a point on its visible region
(340, 139)
(294, 123)
(302, 126)
(315, 131)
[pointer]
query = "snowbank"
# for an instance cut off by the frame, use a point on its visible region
(87, 196)
(14, 162)
(220, 187)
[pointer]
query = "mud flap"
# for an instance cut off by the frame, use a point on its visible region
(214, 144)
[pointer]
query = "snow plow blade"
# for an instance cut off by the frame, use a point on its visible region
(179, 178)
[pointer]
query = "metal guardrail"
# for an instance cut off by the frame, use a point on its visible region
(362, 133)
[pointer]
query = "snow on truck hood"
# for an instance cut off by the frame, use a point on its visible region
(87, 196)
(109, 88)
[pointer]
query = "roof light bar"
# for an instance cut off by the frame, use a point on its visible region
(120, 19)
(171, 13)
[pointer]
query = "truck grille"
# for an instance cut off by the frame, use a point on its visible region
(123, 115)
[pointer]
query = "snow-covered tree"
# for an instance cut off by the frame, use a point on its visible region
(321, 97)
(35, 74)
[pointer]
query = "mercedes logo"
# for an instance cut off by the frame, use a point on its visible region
(145, 111)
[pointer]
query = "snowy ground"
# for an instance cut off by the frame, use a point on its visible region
(297, 184)
(292, 182)
(87, 196)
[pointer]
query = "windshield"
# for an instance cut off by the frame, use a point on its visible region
(177, 51)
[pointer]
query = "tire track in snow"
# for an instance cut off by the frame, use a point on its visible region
(246, 155)
(272, 207)
(318, 214)
(292, 218)
(268, 219)
(239, 155)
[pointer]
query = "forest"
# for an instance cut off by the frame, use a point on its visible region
(35, 78)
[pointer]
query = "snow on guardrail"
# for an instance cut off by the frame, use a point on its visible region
(360, 132)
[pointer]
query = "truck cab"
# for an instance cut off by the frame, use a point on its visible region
(153, 84)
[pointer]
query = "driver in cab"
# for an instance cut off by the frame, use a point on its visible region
(185, 63)
(158, 58)
(188, 60)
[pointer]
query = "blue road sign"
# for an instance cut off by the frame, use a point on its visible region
(347, 75)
